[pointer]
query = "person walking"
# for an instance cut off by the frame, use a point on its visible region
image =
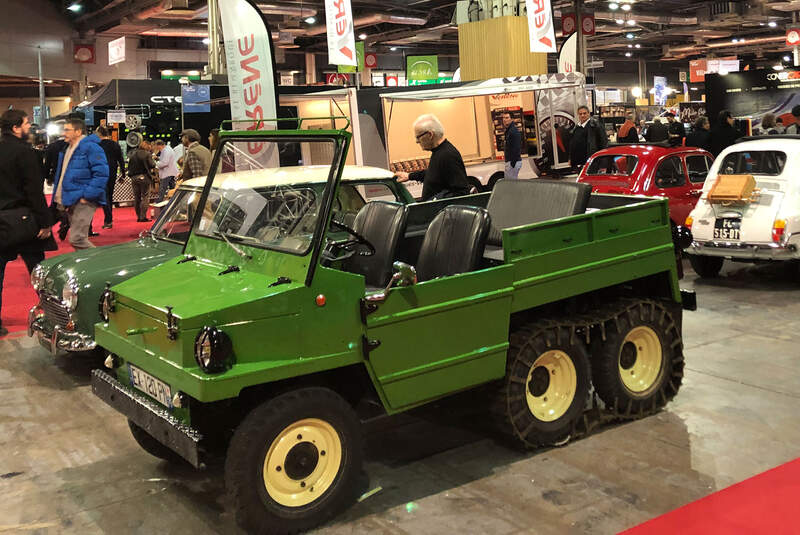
(196, 158)
(587, 137)
(141, 169)
(724, 134)
(657, 132)
(167, 168)
(115, 162)
(81, 180)
(675, 130)
(446, 175)
(627, 132)
(21, 186)
(701, 134)
(512, 147)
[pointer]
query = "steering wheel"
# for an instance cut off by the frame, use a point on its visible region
(349, 246)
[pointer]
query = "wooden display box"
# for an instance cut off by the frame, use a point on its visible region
(732, 189)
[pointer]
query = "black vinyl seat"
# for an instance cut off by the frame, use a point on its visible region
(454, 242)
(521, 202)
(382, 223)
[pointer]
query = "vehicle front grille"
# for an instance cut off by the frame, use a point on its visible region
(54, 310)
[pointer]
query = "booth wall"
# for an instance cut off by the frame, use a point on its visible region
(57, 105)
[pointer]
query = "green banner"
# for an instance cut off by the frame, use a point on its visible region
(359, 58)
(441, 80)
(422, 68)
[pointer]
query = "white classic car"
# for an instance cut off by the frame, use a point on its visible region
(762, 226)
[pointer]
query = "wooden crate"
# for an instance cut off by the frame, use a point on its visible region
(732, 189)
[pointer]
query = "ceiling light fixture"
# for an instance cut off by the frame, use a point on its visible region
(630, 46)
(206, 40)
(787, 58)
(629, 36)
(620, 21)
(626, 7)
(75, 7)
(734, 40)
(393, 49)
(362, 36)
(167, 72)
(631, 22)
(310, 20)
(637, 46)
(777, 67)
(193, 73)
(613, 6)
(772, 24)
(628, 54)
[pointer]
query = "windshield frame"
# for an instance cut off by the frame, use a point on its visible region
(166, 211)
(341, 143)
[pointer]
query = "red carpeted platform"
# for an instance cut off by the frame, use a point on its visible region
(766, 503)
(19, 297)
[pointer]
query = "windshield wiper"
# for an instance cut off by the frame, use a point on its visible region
(229, 242)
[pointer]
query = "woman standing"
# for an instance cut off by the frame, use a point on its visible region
(724, 134)
(141, 169)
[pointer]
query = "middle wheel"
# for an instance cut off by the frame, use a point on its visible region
(547, 384)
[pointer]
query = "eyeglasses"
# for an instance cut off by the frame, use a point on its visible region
(69, 129)
(417, 137)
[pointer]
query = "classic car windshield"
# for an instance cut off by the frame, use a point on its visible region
(266, 193)
(177, 221)
(617, 165)
(753, 162)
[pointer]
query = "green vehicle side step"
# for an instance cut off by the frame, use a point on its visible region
(150, 416)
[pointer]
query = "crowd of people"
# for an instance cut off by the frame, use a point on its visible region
(83, 168)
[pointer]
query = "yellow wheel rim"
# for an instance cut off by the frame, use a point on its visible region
(640, 360)
(551, 385)
(302, 462)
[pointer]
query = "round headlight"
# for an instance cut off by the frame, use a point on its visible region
(69, 295)
(37, 277)
(212, 350)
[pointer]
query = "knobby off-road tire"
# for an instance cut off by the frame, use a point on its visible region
(637, 358)
(707, 267)
(153, 446)
(546, 386)
(293, 462)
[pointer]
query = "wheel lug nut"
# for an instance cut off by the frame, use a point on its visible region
(278, 468)
(303, 484)
(299, 437)
(322, 452)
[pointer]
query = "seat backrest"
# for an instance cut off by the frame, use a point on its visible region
(382, 223)
(521, 202)
(454, 242)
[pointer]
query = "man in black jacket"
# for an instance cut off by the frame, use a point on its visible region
(446, 175)
(657, 133)
(724, 134)
(512, 147)
(587, 137)
(675, 130)
(21, 185)
(115, 161)
(701, 134)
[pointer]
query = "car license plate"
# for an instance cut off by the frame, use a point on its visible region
(150, 385)
(727, 229)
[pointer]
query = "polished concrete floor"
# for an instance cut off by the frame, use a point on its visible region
(69, 465)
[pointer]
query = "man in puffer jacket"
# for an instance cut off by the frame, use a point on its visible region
(80, 181)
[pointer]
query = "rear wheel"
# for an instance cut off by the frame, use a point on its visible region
(153, 446)
(706, 266)
(293, 461)
(474, 183)
(493, 180)
(546, 385)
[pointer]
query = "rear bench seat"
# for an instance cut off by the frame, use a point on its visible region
(514, 203)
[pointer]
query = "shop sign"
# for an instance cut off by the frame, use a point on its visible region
(341, 39)
(792, 37)
(682, 76)
(165, 99)
(333, 78)
(422, 68)
(567, 23)
(698, 68)
(287, 79)
(116, 51)
(587, 24)
(392, 80)
(359, 60)
(440, 80)
(196, 98)
(541, 32)
(370, 60)
(83, 54)
(115, 116)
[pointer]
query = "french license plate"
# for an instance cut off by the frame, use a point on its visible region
(151, 386)
(727, 229)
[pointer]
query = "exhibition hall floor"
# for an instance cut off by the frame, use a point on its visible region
(69, 464)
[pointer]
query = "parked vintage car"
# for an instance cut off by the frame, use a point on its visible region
(763, 226)
(69, 285)
(677, 173)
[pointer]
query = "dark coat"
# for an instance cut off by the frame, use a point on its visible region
(722, 137)
(699, 138)
(656, 133)
(512, 147)
(21, 184)
(585, 141)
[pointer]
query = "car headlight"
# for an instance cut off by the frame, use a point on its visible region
(69, 295)
(37, 277)
(213, 350)
(107, 302)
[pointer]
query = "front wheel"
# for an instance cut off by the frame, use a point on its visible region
(293, 462)
(706, 266)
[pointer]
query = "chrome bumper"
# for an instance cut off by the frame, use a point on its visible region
(54, 337)
(744, 251)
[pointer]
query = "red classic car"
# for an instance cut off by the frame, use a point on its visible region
(677, 173)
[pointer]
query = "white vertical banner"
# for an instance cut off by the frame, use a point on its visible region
(541, 29)
(568, 56)
(251, 77)
(341, 38)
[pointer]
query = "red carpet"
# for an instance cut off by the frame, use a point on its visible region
(19, 297)
(766, 503)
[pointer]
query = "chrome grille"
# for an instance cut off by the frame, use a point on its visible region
(54, 310)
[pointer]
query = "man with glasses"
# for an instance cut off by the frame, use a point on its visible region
(446, 175)
(81, 179)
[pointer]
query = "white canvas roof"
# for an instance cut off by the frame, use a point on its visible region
(493, 87)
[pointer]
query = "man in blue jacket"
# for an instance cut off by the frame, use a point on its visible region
(80, 181)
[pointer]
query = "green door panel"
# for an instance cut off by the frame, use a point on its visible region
(441, 336)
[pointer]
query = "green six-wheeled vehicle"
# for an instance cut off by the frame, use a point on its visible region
(282, 315)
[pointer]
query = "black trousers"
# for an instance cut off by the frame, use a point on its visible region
(107, 220)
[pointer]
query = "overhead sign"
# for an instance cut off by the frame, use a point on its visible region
(370, 60)
(660, 90)
(422, 67)
(541, 32)
(587, 24)
(792, 37)
(116, 51)
(83, 54)
(392, 80)
(568, 56)
(567, 23)
(341, 41)
(196, 98)
(333, 78)
(165, 99)
(115, 116)
(698, 68)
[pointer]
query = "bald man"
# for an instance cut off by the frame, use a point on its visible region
(446, 175)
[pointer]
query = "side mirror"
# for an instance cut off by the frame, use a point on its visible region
(404, 275)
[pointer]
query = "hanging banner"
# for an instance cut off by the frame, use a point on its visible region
(196, 98)
(251, 68)
(359, 67)
(660, 90)
(341, 39)
(422, 67)
(116, 51)
(568, 56)
(541, 32)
